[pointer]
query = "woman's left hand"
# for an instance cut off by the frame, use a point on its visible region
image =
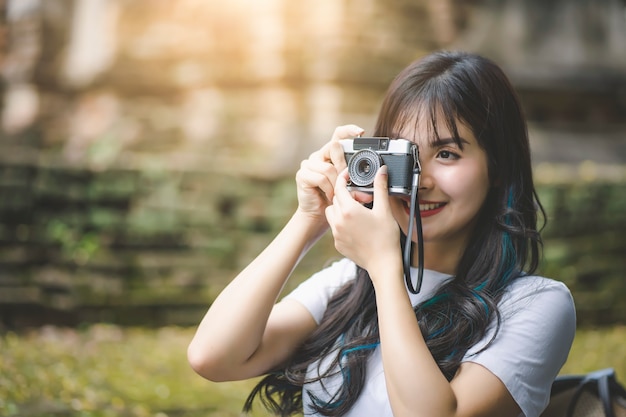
(368, 237)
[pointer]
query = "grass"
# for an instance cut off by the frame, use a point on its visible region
(107, 371)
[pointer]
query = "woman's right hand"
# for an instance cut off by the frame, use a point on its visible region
(244, 334)
(317, 175)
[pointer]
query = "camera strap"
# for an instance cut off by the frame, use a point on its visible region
(408, 244)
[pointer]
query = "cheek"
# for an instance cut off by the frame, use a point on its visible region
(469, 184)
(398, 210)
(396, 205)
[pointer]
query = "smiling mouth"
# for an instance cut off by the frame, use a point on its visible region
(430, 206)
(424, 207)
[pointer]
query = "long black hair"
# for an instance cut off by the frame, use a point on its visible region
(448, 88)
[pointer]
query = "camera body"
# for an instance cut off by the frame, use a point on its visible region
(365, 155)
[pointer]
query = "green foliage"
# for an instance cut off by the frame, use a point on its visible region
(74, 244)
(596, 349)
(107, 371)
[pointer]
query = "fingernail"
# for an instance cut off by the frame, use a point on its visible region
(383, 170)
(357, 131)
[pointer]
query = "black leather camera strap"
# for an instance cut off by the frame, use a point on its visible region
(408, 244)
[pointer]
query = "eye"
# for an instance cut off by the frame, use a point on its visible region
(444, 154)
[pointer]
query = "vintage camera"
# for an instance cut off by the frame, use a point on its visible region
(365, 155)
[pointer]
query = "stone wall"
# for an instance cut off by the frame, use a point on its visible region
(147, 153)
(144, 144)
(138, 247)
(242, 86)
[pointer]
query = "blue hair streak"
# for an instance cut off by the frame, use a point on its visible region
(345, 373)
(345, 352)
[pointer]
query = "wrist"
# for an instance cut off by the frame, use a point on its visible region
(311, 226)
(386, 271)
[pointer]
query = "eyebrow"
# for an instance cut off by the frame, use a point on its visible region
(443, 141)
(449, 141)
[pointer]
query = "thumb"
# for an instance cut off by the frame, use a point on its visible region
(381, 193)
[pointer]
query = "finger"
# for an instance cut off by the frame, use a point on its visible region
(332, 150)
(337, 156)
(381, 192)
(330, 217)
(341, 183)
(308, 178)
(363, 197)
(325, 168)
(347, 131)
(343, 197)
(322, 154)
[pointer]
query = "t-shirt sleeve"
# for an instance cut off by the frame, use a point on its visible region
(538, 324)
(315, 292)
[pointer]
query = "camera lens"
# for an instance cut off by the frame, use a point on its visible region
(363, 166)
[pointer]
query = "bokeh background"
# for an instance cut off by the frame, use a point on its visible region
(148, 148)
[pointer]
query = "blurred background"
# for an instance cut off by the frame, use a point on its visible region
(148, 149)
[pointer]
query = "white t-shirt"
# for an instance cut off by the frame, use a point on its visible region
(533, 341)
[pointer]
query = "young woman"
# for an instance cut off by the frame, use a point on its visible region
(483, 337)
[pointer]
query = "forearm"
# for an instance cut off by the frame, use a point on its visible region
(415, 385)
(233, 327)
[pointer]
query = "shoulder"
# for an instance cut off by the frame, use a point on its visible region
(538, 284)
(333, 276)
(533, 293)
(537, 328)
(541, 308)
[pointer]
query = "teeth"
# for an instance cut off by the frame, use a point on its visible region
(431, 206)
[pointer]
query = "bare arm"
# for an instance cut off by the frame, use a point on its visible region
(240, 337)
(244, 333)
(415, 385)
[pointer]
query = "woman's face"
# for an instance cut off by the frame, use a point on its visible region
(453, 186)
